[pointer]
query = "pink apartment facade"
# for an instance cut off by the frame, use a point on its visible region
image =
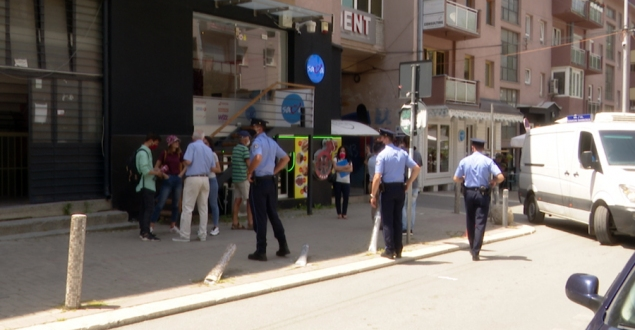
(540, 59)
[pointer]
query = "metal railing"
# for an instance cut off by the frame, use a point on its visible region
(460, 90)
(461, 17)
(578, 56)
(13, 164)
(595, 62)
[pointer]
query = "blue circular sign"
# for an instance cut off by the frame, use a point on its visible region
(292, 108)
(315, 68)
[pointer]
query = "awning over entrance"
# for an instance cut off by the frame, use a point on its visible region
(517, 141)
(476, 114)
(351, 128)
(294, 13)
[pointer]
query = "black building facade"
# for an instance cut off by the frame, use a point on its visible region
(83, 82)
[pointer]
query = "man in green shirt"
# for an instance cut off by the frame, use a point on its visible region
(147, 186)
(240, 161)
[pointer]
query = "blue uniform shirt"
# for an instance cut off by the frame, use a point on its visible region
(476, 169)
(269, 150)
(391, 164)
(201, 157)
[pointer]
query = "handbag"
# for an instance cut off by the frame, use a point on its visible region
(331, 178)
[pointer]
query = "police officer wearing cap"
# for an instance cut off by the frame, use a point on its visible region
(474, 171)
(263, 192)
(389, 170)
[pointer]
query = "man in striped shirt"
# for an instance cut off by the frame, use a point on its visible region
(240, 161)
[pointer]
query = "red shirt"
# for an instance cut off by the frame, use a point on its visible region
(173, 161)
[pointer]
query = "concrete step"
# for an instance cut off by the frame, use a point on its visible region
(32, 211)
(56, 225)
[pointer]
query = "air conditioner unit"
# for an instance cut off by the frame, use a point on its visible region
(553, 86)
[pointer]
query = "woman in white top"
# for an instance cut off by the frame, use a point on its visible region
(213, 190)
(342, 185)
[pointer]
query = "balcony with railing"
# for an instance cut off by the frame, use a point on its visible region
(594, 64)
(583, 13)
(569, 55)
(454, 22)
(452, 90)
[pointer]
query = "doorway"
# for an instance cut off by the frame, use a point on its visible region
(14, 95)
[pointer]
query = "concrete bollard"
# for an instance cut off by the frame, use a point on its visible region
(505, 206)
(457, 197)
(373, 239)
(217, 272)
(75, 261)
(303, 256)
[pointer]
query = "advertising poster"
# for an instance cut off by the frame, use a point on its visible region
(323, 158)
(301, 167)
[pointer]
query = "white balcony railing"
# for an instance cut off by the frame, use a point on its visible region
(595, 12)
(461, 17)
(460, 90)
(595, 62)
(578, 56)
(578, 7)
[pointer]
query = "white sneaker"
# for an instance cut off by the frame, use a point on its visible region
(175, 230)
(151, 230)
(215, 231)
(202, 238)
(180, 240)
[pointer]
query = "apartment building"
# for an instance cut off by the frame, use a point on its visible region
(541, 59)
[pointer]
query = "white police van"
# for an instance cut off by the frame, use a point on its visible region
(582, 170)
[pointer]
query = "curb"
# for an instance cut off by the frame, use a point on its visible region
(140, 313)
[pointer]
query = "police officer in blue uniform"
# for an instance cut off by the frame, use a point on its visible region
(263, 191)
(474, 171)
(390, 170)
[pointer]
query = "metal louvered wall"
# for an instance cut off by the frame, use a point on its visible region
(53, 48)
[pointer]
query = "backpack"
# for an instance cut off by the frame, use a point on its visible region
(132, 171)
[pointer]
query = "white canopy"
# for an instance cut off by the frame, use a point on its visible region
(518, 141)
(351, 128)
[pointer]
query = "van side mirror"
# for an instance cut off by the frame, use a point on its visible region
(587, 160)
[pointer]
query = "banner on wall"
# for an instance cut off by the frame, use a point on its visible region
(323, 158)
(286, 109)
(301, 167)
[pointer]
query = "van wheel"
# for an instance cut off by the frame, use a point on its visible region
(533, 213)
(603, 226)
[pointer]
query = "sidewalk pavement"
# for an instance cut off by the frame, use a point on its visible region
(126, 280)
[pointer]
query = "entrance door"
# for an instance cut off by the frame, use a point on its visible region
(65, 128)
(13, 140)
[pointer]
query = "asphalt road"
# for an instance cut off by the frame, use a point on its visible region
(518, 284)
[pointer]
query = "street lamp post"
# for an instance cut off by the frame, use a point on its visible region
(626, 62)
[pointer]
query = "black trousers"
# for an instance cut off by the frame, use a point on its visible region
(476, 209)
(145, 211)
(342, 191)
(392, 200)
(263, 200)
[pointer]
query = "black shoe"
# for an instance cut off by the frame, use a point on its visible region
(283, 251)
(388, 255)
(475, 257)
(257, 256)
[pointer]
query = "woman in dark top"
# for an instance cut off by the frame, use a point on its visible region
(171, 164)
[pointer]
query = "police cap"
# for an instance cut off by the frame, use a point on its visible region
(244, 134)
(257, 121)
(385, 132)
(478, 142)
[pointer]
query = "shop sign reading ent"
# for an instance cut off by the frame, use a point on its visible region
(355, 22)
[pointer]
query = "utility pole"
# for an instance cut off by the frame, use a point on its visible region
(626, 60)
